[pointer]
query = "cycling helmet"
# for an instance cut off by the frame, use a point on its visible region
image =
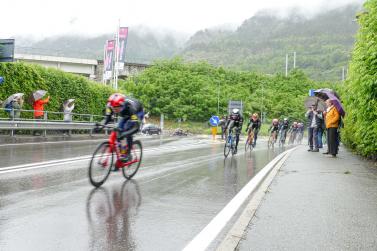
(255, 116)
(236, 111)
(116, 100)
(285, 119)
(295, 123)
(275, 121)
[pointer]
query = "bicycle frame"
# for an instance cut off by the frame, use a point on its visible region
(250, 136)
(114, 147)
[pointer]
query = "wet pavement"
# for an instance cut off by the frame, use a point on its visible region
(317, 203)
(182, 184)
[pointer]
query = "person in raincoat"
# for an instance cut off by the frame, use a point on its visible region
(332, 123)
(68, 107)
(38, 107)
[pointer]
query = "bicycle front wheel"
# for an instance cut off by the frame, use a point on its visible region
(227, 147)
(131, 168)
(100, 164)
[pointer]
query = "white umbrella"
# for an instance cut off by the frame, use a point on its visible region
(12, 97)
(69, 103)
(39, 94)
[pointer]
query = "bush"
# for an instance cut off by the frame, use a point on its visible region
(90, 97)
(360, 89)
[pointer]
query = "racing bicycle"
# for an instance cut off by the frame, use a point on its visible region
(102, 161)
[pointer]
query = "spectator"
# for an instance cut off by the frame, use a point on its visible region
(321, 128)
(68, 107)
(222, 123)
(16, 105)
(332, 124)
(313, 125)
(38, 107)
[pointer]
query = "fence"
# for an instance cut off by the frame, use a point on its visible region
(51, 121)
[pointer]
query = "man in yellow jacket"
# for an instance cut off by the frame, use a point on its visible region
(332, 123)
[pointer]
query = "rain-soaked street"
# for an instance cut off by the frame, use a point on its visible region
(182, 184)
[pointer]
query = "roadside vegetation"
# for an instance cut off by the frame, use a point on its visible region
(360, 91)
(90, 97)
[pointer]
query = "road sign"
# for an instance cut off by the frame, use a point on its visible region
(235, 104)
(1, 80)
(214, 120)
(6, 50)
(311, 93)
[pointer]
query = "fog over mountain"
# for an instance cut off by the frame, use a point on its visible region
(322, 40)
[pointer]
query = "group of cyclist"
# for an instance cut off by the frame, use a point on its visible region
(131, 112)
(277, 128)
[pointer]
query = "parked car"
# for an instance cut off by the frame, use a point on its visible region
(151, 129)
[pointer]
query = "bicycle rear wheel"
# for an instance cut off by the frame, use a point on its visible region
(100, 164)
(130, 169)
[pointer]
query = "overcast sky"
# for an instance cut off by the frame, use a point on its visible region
(44, 18)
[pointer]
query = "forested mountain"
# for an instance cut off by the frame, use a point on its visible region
(143, 45)
(322, 43)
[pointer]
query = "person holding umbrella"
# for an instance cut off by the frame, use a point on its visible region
(68, 107)
(332, 123)
(38, 104)
(13, 105)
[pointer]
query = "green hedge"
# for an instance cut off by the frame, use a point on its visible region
(90, 97)
(360, 92)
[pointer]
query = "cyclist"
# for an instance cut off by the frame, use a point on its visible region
(253, 124)
(235, 121)
(283, 128)
(300, 132)
(274, 128)
(293, 130)
(131, 112)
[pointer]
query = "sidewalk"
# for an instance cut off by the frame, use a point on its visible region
(317, 202)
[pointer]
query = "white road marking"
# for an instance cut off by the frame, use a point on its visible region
(50, 163)
(202, 240)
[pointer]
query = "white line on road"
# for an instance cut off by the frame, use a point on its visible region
(210, 232)
(50, 163)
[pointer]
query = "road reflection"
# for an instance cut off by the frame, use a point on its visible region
(111, 214)
(231, 175)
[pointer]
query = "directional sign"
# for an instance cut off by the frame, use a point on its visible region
(1, 80)
(311, 93)
(214, 120)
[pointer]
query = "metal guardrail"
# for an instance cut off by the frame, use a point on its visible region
(79, 122)
(44, 125)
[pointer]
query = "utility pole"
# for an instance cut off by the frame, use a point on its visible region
(218, 98)
(294, 60)
(286, 65)
(343, 73)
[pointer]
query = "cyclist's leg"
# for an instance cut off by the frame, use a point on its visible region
(121, 126)
(238, 131)
(255, 137)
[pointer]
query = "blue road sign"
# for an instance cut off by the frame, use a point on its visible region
(311, 93)
(214, 120)
(1, 80)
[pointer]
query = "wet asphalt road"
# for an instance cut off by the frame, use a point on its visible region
(182, 184)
